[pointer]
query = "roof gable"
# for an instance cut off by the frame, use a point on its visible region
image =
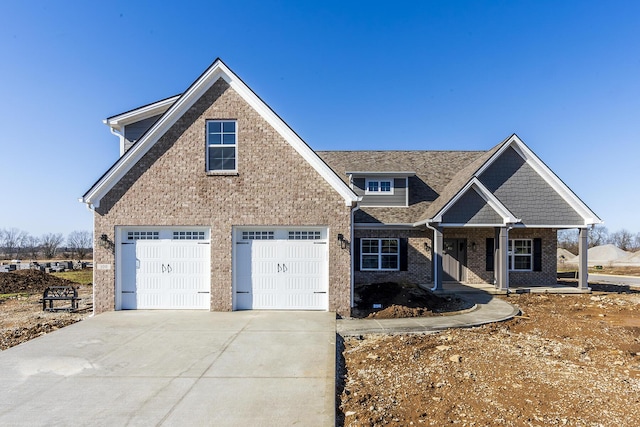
(475, 205)
(218, 70)
(499, 163)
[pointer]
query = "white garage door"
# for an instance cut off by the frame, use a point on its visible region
(165, 269)
(281, 269)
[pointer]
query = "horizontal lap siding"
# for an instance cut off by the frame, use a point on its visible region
(398, 198)
(526, 194)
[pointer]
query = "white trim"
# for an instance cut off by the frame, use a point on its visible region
(379, 192)
(490, 199)
(281, 232)
(511, 256)
(379, 254)
(218, 70)
(166, 232)
(121, 120)
(221, 145)
(406, 193)
(547, 174)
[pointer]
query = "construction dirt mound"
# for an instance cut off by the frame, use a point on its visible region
(397, 300)
(29, 281)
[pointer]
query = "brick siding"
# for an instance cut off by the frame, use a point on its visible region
(275, 186)
(420, 258)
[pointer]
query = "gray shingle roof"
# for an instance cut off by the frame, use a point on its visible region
(439, 176)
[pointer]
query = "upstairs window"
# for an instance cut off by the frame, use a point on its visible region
(221, 146)
(378, 186)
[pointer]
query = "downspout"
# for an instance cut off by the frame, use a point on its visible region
(435, 266)
(353, 261)
(121, 137)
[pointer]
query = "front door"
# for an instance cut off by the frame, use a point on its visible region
(454, 259)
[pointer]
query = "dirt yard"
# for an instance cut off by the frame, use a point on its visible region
(568, 360)
(21, 315)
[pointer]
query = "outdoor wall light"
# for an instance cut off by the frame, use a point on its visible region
(106, 243)
(473, 246)
(427, 247)
(341, 241)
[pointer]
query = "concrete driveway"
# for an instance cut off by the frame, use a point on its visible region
(175, 368)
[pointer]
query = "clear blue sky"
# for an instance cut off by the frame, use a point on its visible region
(440, 75)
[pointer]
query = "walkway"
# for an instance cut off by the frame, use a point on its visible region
(487, 309)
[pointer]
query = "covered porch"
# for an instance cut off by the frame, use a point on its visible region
(502, 259)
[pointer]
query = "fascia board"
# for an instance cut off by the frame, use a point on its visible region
(492, 200)
(138, 150)
(555, 182)
(141, 113)
(294, 140)
(546, 173)
(217, 70)
(463, 225)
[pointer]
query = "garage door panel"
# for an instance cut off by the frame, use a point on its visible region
(165, 274)
(281, 274)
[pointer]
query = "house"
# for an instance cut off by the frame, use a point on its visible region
(216, 203)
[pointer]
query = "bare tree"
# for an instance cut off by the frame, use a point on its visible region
(12, 241)
(568, 239)
(622, 239)
(80, 243)
(31, 246)
(50, 242)
(598, 235)
(636, 242)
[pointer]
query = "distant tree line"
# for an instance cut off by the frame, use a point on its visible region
(18, 244)
(599, 235)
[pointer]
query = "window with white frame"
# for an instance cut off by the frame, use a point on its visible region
(378, 186)
(520, 254)
(379, 254)
(221, 145)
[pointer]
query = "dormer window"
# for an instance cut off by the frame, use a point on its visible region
(221, 146)
(379, 186)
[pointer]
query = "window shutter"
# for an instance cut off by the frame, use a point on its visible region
(490, 251)
(537, 254)
(356, 254)
(404, 254)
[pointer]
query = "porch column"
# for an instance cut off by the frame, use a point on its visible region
(437, 258)
(583, 266)
(502, 272)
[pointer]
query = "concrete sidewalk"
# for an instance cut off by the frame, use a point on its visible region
(487, 309)
(175, 368)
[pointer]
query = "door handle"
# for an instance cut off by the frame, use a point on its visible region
(284, 268)
(169, 269)
(163, 268)
(278, 267)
